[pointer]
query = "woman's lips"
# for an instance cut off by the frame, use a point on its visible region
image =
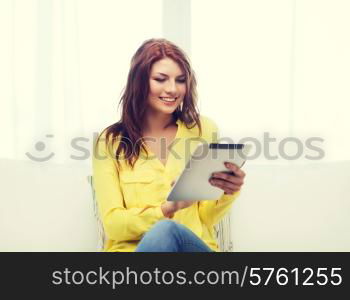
(168, 99)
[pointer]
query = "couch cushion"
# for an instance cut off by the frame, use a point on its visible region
(46, 207)
(293, 207)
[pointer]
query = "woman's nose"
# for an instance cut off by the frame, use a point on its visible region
(170, 87)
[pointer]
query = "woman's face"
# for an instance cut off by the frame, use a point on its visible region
(167, 86)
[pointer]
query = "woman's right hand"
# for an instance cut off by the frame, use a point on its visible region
(169, 208)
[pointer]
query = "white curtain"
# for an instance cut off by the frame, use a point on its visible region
(276, 66)
(280, 67)
(63, 66)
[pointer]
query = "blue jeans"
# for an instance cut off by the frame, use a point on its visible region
(169, 236)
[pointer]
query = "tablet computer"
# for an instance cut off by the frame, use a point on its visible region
(193, 183)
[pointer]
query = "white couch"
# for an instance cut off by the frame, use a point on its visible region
(48, 207)
(295, 207)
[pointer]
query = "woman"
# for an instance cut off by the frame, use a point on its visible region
(138, 158)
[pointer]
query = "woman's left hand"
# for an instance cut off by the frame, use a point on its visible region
(229, 183)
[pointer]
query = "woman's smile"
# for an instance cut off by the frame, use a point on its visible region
(168, 100)
(167, 86)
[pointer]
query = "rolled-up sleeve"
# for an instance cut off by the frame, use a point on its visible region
(212, 211)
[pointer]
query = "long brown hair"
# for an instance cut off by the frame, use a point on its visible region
(134, 98)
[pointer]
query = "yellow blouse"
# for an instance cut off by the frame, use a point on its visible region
(129, 201)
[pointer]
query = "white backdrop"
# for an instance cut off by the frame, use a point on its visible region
(64, 64)
(276, 66)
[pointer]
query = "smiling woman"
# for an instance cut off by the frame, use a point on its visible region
(165, 83)
(138, 158)
(167, 91)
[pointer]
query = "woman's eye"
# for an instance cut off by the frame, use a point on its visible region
(162, 80)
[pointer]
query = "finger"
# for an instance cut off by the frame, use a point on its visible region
(185, 203)
(232, 181)
(230, 191)
(235, 169)
(228, 177)
(223, 184)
